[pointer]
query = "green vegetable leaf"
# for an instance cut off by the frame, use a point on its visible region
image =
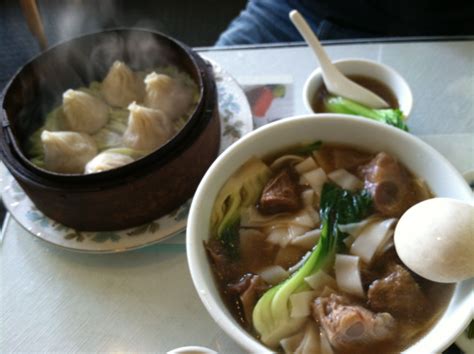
(306, 149)
(390, 116)
(344, 206)
(230, 238)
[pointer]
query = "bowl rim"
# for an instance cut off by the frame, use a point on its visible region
(363, 62)
(14, 154)
(193, 241)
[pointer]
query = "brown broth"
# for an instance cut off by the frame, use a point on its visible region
(369, 83)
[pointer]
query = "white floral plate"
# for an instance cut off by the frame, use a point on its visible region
(236, 121)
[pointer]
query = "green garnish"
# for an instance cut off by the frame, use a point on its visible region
(343, 206)
(308, 148)
(389, 116)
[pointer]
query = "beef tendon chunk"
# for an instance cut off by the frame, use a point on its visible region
(280, 194)
(398, 293)
(352, 328)
(224, 267)
(389, 183)
(249, 289)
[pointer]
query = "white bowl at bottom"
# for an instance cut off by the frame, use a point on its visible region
(420, 158)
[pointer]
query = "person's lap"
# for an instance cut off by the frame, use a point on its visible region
(267, 21)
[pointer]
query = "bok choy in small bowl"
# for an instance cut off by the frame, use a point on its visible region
(290, 240)
(376, 77)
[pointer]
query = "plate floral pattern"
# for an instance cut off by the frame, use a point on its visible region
(236, 121)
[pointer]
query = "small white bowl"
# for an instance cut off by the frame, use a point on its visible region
(367, 68)
(192, 350)
(419, 157)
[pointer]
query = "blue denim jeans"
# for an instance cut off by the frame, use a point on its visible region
(267, 21)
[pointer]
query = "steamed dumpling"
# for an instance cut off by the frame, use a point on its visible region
(147, 128)
(168, 94)
(122, 86)
(110, 136)
(67, 152)
(83, 112)
(107, 160)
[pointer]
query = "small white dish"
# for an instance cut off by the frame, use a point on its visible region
(192, 350)
(368, 68)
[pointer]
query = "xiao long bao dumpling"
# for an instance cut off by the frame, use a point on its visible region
(83, 112)
(122, 86)
(169, 94)
(147, 128)
(67, 152)
(108, 160)
(111, 123)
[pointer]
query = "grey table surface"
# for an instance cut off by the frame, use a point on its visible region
(144, 301)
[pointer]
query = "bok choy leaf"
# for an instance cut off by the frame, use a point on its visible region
(241, 190)
(389, 116)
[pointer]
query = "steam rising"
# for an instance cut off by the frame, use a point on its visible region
(81, 61)
(73, 18)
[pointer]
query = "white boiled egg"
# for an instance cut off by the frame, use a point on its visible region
(435, 239)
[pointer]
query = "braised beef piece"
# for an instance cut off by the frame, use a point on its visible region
(225, 268)
(352, 328)
(368, 275)
(242, 285)
(397, 293)
(280, 194)
(241, 292)
(390, 185)
(253, 254)
(380, 266)
(249, 289)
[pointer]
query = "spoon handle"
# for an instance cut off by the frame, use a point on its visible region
(335, 81)
(310, 38)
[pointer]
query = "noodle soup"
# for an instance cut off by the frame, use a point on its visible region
(301, 248)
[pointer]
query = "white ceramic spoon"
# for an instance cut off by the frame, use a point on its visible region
(435, 239)
(335, 81)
